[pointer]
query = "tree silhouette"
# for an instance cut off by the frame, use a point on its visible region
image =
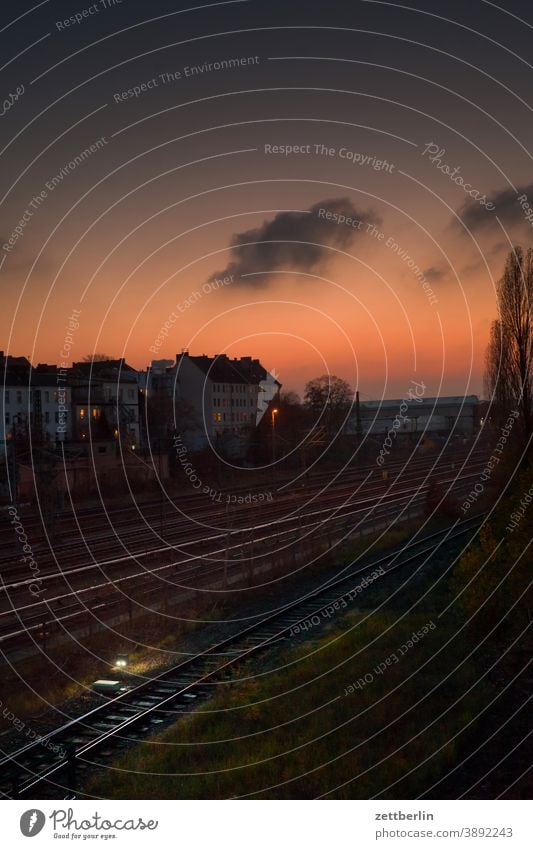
(329, 397)
(96, 358)
(509, 363)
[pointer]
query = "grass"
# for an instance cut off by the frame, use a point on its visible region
(29, 687)
(289, 728)
(33, 684)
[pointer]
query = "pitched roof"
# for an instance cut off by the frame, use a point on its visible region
(222, 369)
(115, 370)
(13, 362)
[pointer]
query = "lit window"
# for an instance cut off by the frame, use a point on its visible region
(82, 413)
(95, 413)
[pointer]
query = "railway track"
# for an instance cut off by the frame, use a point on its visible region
(89, 741)
(133, 523)
(68, 595)
(186, 529)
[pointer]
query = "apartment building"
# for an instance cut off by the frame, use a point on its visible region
(33, 402)
(227, 395)
(105, 401)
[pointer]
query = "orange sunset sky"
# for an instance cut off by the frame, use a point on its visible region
(185, 179)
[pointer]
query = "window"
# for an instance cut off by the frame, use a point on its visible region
(7, 418)
(6, 396)
(46, 396)
(217, 417)
(57, 418)
(82, 413)
(47, 417)
(19, 397)
(96, 412)
(131, 394)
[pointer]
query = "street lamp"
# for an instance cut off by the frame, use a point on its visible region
(275, 411)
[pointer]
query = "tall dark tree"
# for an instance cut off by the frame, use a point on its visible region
(329, 398)
(509, 365)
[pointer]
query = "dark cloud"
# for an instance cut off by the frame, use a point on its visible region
(491, 256)
(19, 261)
(507, 208)
(434, 274)
(296, 241)
(499, 248)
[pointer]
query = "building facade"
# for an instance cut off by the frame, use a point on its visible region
(33, 403)
(416, 415)
(228, 396)
(105, 402)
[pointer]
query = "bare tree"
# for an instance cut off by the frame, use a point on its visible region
(289, 397)
(497, 379)
(96, 358)
(509, 365)
(328, 396)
